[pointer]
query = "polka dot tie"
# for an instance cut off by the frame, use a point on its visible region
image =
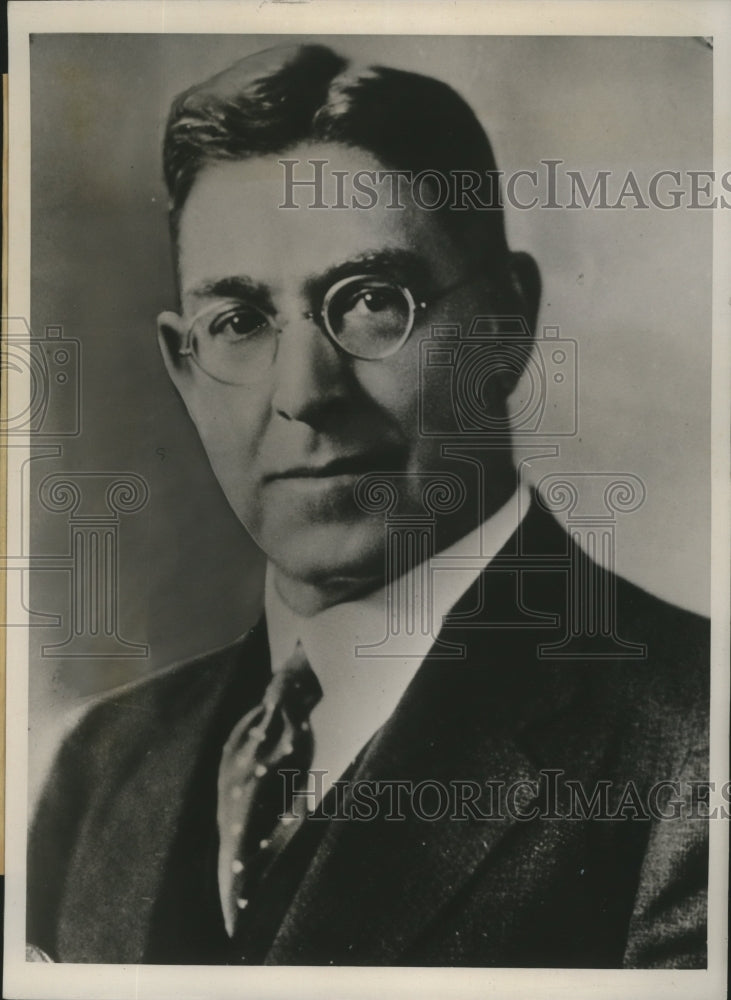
(253, 793)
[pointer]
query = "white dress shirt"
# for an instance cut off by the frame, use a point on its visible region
(361, 688)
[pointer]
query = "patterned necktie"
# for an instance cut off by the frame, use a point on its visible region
(252, 793)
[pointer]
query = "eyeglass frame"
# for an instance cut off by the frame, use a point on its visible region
(320, 317)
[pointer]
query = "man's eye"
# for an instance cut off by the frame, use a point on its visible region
(371, 299)
(241, 323)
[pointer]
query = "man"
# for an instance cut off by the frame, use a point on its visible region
(398, 765)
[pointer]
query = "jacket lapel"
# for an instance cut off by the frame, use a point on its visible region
(376, 885)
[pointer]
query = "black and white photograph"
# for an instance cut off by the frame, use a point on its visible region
(367, 484)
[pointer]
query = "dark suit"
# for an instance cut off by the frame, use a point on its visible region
(122, 854)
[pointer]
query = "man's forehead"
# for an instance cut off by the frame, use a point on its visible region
(234, 221)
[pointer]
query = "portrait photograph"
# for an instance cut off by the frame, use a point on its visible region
(367, 455)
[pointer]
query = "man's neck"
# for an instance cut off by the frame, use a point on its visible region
(307, 599)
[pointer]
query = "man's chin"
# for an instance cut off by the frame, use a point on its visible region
(327, 555)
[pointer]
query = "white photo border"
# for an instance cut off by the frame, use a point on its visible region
(689, 18)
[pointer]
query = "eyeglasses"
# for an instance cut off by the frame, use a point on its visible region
(365, 317)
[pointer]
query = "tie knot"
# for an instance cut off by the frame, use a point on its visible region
(294, 687)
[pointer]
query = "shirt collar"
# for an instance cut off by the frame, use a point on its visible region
(331, 637)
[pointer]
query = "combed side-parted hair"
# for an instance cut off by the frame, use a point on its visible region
(269, 102)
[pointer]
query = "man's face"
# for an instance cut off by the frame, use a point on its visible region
(289, 448)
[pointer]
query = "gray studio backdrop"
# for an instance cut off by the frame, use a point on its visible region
(632, 287)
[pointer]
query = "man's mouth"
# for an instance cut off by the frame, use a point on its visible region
(357, 464)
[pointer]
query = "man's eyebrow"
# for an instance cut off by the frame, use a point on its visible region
(400, 264)
(235, 286)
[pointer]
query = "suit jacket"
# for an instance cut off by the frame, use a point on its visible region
(121, 862)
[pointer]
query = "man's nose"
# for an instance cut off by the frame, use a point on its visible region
(311, 377)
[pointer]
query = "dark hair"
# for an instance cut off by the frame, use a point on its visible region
(269, 102)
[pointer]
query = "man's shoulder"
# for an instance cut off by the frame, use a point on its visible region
(599, 598)
(132, 713)
(645, 610)
(652, 696)
(669, 680)
(609, 662)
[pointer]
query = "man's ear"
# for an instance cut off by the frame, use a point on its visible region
(171, 333)
(520, 295)
(524, 281)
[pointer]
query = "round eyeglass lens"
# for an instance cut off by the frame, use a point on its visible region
(369, 317)
(233, 343)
